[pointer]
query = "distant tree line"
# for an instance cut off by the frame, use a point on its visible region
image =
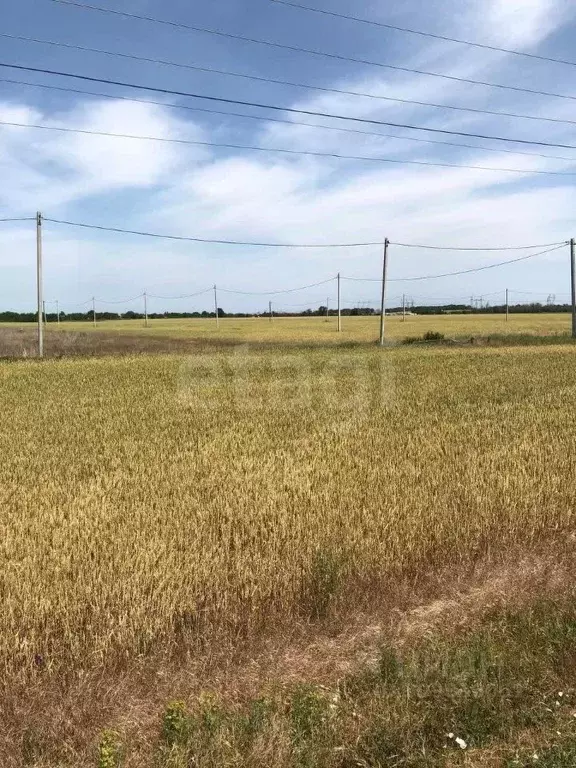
(322, 311)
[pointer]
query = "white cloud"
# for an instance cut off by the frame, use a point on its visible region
(49, 169)
(521, 23)
(105, 162)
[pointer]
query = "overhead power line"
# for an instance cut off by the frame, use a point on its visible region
(274, 81)
(184, 296)
(27, 218)
(297, 152)
(314, 52)
(475, 248)
(420, 32)
(538, 293)
(208, 240)
(264, 118)
(276, 293)
(277, 108)
(292, 245)
(120, 301)
(459, 272)
(308, 303)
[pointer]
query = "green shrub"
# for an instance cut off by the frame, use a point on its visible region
(109, 750)
(175, 724)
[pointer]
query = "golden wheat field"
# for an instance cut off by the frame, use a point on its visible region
(151, 502)
(317, 329)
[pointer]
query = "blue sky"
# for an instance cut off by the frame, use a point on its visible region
(244, 195)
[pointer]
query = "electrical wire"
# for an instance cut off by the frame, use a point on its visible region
(185, 296)
(305, 304)
(276, 293)
(121, 301)
(78, 303)
(208, 240)
(298, 152)
(275, 81)
(460, 272)
(27, 218)
(267, 119)
(538, 293)
(456, 248)
(433, 35)
(289, 245)
(311, 302)
(290, 122)
(450, 298)
(299, 49)
(277, 108)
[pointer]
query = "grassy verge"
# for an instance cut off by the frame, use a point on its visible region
(501, 694)
(433, 338)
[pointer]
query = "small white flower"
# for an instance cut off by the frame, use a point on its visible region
(560, 693)
(558, 732)
(534, 756)
(461, 743)
(451, 735)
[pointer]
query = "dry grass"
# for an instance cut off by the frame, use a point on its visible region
(22, 342)
(158, 508)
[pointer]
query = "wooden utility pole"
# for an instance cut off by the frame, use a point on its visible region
(573, 274)
(383, 299)
(216, 306)
(39, 283)
(145, 310)
(327, 308)
(270, 310)
(339, 314)
(403, 307)
(94, 311)
(507, 304)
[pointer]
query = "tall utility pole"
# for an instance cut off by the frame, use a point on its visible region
(327, 308)
(403, 307)
(270, 310)
(383, 299)
(339, 315)
(145, 310)
(94, 311)
(573, 271)
(216, 306)
(507, 304)
(39, 283)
